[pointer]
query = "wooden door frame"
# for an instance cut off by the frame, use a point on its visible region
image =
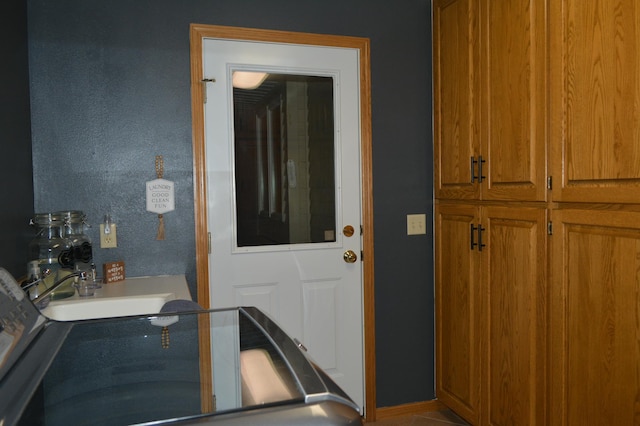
(197, 33)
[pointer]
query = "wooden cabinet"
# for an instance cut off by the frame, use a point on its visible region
(595, 318)
(491, 310)
(519, 342)
(490, 151)
(515, 278)
(595, 100)
(490, 99)
(459, 297)
(456, 44)
(595, 163)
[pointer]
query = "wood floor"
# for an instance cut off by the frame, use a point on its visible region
(431, 418)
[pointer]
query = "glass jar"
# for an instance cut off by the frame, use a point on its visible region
(75, 223)
(52, 252)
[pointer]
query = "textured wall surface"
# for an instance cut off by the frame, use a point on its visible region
(110, 91)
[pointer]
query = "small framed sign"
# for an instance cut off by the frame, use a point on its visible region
(113, 272)
(160, 196)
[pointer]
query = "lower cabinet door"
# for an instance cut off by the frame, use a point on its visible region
(514, 275)
(491, 310)
(595, 318)
(458, 310)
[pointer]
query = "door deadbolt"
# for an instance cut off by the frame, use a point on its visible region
(348, 231)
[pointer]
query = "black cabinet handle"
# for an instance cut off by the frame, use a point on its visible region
(473, 168)
(480, 161)
(480, 245)
(473, 243)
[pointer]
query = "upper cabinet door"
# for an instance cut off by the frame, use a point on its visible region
(490, 95)
(595, 100)
(513, 93)
(456, 107)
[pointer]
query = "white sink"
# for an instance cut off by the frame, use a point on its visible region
(106, 307)
(133, 296)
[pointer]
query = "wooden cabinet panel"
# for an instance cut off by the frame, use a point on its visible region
(499, 70)
(595, 318)
(491, 313)
(456, 118)
(595, 100)
(513, 99)
(514, 275)
(458, 311)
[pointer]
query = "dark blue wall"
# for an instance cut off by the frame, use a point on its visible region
(110, 90)
(16, 184)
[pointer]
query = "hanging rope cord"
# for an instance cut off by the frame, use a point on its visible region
(160, 174)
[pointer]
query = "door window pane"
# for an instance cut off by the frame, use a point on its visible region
(284, 160)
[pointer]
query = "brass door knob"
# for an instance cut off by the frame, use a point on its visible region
(350, 256)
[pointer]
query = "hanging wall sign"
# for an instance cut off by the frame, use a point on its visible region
(160, 196)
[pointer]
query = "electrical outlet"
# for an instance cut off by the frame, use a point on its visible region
(416, 224)
(108, 240)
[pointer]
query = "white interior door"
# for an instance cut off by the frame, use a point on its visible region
(283, 197)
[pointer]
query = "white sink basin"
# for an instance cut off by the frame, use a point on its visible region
(133, 296)
(106, 307)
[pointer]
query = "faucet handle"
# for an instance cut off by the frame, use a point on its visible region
(35, 278)
(86, 285)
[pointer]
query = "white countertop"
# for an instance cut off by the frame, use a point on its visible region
(132, 296)
(141, 286)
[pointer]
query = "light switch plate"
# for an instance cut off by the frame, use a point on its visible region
(416, 224)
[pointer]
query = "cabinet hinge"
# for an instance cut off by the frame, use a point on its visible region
(361, 230)
(361, 256)
(209, 242)
(550, 228)
(549, 182)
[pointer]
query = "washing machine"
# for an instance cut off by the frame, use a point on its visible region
(231, 366)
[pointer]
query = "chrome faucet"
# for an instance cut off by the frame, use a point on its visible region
(42, 300)
(83, 275)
